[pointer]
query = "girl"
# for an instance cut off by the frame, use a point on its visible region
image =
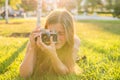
(55, 58)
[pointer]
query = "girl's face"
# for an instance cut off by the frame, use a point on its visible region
(60, 34)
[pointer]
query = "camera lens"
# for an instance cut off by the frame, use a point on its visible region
(45, 37)
(54, 35)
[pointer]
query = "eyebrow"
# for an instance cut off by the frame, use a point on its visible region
(60, 32)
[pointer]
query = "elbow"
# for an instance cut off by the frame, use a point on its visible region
(25, 72)
(67, 70)
(63, 71)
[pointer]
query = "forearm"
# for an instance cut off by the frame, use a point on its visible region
(26, 67)
(57, 65)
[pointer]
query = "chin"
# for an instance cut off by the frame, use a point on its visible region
(58, 46)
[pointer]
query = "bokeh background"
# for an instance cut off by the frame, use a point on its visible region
(97, 25)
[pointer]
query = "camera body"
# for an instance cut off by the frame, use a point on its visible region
(47, 34)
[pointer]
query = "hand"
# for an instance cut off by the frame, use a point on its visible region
(50, 50)
(35, 33)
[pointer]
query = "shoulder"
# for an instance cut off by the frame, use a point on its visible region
(76, 41)
(76, 47)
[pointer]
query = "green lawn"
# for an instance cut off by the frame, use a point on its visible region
(100, 43)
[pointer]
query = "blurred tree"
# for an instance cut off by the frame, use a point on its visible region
(109, 6)
(14, 3)
(96, 4)
(78, 5)
(44, 6)
(2, 3)
(29, 5)
(116, 8)
(71, 4)
(68, 4)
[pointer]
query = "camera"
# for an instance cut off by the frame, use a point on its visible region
(47, 34)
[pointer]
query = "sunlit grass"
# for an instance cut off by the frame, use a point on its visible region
(11, 54)
(17, 25)
(100, 43)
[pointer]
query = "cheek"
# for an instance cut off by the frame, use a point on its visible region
(62, 39)
(61, 42)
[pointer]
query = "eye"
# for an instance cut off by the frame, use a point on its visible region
(61, 33)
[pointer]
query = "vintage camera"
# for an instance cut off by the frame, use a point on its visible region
(47, 34)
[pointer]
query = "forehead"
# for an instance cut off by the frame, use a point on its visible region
(57, 27)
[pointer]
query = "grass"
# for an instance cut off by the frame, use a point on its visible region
(100, 43)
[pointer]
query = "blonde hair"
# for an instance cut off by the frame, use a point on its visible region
(65, 53)
(63, 17)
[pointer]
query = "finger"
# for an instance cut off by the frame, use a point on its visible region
(40, 38)
(35, 31)
(33, 34)
(38, 43)
(41, 44)
(36, 35)
(33, 37)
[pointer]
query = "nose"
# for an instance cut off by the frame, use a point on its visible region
(58, 38)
